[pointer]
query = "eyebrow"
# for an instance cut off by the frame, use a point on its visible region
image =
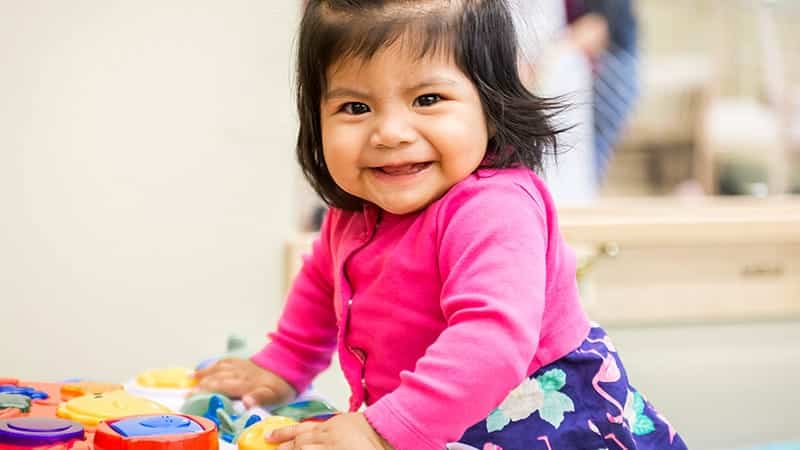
(353, 93)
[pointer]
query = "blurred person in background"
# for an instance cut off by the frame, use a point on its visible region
(607, 32)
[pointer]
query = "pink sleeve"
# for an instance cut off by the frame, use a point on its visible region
(306, 336)
(492, 250)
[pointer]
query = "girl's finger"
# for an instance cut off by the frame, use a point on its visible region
(212, 380)
(224, 382)
(313, 437)
(290, 432)
(221, 365)
(262, 396)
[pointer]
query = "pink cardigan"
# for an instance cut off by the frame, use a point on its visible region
(438, 314)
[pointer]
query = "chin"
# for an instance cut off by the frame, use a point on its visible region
(400, 209)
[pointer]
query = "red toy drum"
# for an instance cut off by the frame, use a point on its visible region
(157, 432)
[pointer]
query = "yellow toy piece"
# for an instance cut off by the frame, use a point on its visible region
(93, 408)
(253, 438)
(170, 378)
(74, 390)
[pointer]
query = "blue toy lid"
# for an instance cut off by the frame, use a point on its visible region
(32, 393)
(155, 426)
(28, 431)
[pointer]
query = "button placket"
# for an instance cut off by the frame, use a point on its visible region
(366, 236)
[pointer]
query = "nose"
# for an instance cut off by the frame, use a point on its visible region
(392, 130)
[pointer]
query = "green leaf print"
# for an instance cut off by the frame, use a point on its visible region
(554, 407)
(496, 421)
(642, 425)
(552, 380)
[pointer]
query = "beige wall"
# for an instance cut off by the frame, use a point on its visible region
(145, 171)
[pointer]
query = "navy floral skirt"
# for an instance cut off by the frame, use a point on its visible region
(583, 401)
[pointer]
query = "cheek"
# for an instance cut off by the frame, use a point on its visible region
(461, 143)
(341, 157)
(341, 140)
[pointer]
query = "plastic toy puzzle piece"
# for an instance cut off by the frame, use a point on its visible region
(43, 397)
(219, 409)
(91, 409)
(306, 410)
(253, 438)
(15, 401)
(30, 392)
(156, 425)
(81, 388)
(206, 405)
(37, 431)
(157, 432)
(169, 378)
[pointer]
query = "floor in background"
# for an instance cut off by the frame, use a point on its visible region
(723, 387)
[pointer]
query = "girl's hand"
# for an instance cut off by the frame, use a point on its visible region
(341, 432)
(242, 378)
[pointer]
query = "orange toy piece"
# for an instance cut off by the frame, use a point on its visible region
(8, 413)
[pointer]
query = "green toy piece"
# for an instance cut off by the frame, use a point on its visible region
(303, 410)
(21, 402)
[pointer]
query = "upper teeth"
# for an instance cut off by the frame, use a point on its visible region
(401, 168)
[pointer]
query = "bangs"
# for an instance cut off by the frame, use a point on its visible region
(423, 29)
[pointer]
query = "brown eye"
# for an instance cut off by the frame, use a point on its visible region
(355, 108)
(427, 100)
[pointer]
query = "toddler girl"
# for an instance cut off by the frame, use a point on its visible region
(439, 275)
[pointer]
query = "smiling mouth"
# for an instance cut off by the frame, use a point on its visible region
(403, 169)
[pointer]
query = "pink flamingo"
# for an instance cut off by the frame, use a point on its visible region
(605, 341)
(546, 441)
(608, 373)
(613, 437)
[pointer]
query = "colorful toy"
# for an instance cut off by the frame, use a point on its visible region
(78, 389)
(306, 410)
(220, 410)
(254, 438)
(157, 432)
(17, 402)
(28, 398)
(39, 433)
(169, 386)
(139, 415)
(90, 409)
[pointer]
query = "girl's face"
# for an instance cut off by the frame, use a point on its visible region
(399, 131)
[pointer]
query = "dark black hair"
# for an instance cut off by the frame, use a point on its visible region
(482, 39)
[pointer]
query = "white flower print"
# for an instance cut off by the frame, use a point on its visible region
(523, 401)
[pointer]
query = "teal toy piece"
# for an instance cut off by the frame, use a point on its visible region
(18, 401)
(306, 410)
(201, 404)
(219, 409)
